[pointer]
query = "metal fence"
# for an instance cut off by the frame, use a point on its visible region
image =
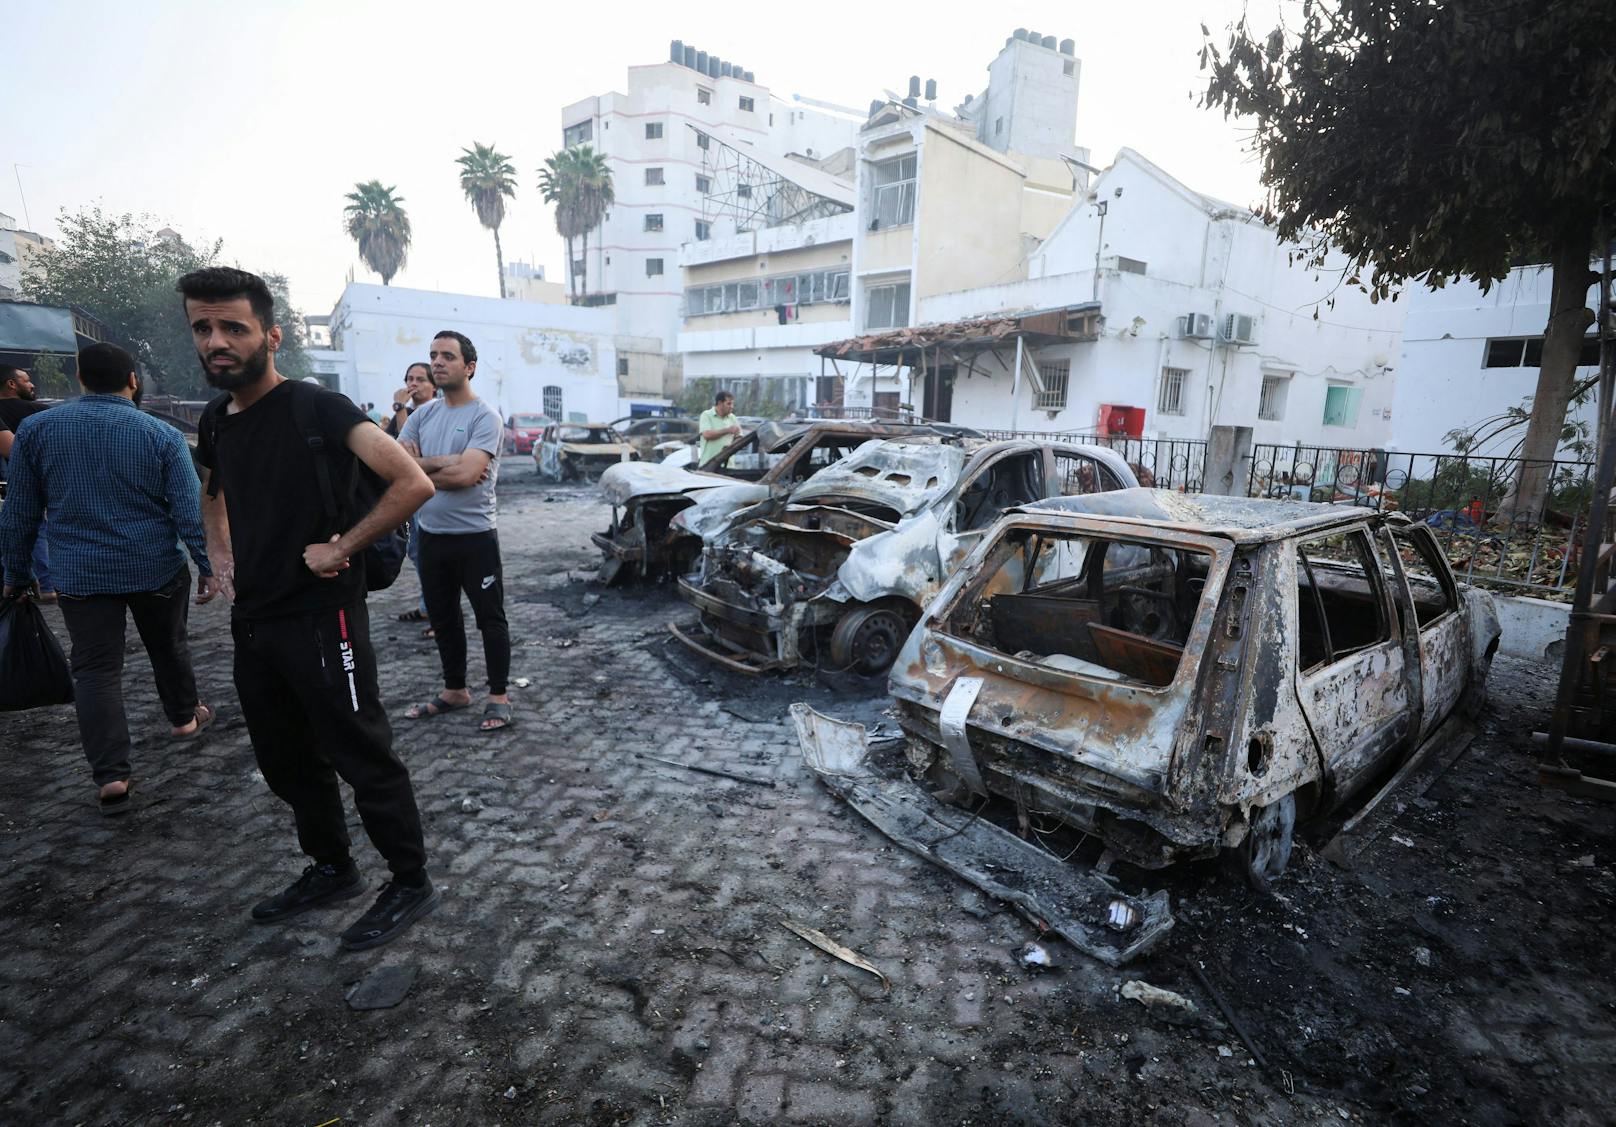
(1461, 497)
(1160, 463)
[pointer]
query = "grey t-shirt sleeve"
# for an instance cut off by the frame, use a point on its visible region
(486, 433)
(412, 425)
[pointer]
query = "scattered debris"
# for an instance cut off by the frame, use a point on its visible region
(1067, 899)
(1407, 843)
(601, 816)
(1164, 1004)
(1586, 861)
(383, 988)
(522, 682)
(753, 712)
(1033, 955)
(1120, 915)
(510, 1093)
(828, 945)
(470, 804)
(1422, 956)
(706, 770)
(1229, 1015)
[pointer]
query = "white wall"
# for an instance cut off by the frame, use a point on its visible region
(1200, 256)
(521, 347)
(1442, 384)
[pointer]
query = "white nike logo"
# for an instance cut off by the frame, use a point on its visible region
(488, 581)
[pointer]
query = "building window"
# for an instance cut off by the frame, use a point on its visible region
(703, 141)
(577, 266)
(1527, 352)
(1172, 391)
(1341, 405)
(785, 289)
(1054, 377)
(704, 185)
(577, 134)
(747, 105)
(552, 402)
(704, 96)
(704, 230)
(998, 126)
(653, 267)
(886, 307)
(895, 192)
(622, 365)
(1069, 68)
(1271, 401)
(653, 221)
(653, 176)
(743, 191)
(653, 131)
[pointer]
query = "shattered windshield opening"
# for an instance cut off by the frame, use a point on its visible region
(1103, 606)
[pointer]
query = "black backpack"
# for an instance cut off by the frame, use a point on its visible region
(384, 559)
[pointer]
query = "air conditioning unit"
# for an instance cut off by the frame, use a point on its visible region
(1239, 328)
(1195, 326)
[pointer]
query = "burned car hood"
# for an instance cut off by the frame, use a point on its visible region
(712, 509)
(905, 477)
(596, 449)
(627, 481)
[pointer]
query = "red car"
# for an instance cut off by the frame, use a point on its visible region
(522, 431)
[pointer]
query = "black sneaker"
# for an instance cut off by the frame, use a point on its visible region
(319, 884)
(398, 906)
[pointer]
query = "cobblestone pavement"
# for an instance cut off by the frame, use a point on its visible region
(608, 949)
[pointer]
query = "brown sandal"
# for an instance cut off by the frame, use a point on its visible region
(205, 717)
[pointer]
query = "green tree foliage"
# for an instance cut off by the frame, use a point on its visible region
(578, 181)
(488, 178)
(117, 269)
(376, 221)
(1441, 140)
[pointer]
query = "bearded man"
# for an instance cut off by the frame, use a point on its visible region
(304, 667)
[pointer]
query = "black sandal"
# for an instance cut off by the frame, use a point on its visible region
(413, 616)
(117, 803)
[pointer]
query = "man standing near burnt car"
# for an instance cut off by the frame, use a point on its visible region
(456, 440)
(304, 668)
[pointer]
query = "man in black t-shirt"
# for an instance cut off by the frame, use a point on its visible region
(304, 667)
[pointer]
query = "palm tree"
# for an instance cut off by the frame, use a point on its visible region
(487, 177)
(377, 222)
(579, 182)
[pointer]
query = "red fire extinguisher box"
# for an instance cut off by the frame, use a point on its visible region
(1120, 420)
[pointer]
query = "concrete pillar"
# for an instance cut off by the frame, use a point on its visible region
(1228, 461)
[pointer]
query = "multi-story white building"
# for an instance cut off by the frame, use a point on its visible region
(657, 138)
(1158, 310)
(525, 282)
(16, 249)
(1469, 358)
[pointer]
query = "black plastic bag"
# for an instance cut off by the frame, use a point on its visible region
(33, 671)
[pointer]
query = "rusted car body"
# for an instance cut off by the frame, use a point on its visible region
(661, 513)
(1183, 675)
(842, 569)
(580, 451)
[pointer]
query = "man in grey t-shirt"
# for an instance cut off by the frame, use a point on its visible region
(456, 440)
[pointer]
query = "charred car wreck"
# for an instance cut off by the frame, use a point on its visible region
(661, 513)
(838, 574)
(580, 451)
(1183, 676)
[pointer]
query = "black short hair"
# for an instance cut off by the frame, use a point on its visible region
(468, 351)
(419, 364)
(721, 396)
(221, 283)
(9, 372)
(104, 368)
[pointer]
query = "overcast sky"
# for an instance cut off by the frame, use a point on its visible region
(249, 122)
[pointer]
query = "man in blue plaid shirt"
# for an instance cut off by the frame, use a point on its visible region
(122, 495)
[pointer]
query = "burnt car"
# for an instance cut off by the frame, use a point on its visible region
(1184, 676)
(580, 451)
(523, 430)
(651, 437)
(837, 575)
(661, 513)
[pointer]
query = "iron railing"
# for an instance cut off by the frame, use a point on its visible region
(1462, 497)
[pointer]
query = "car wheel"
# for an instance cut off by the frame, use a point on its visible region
(1266, 851)
(867, 639)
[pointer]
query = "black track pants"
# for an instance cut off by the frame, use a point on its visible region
(308, 691)
(451, 564)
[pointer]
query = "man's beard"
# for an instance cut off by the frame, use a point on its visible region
(252, 370)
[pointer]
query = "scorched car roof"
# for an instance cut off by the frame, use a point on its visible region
(1247, 519)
